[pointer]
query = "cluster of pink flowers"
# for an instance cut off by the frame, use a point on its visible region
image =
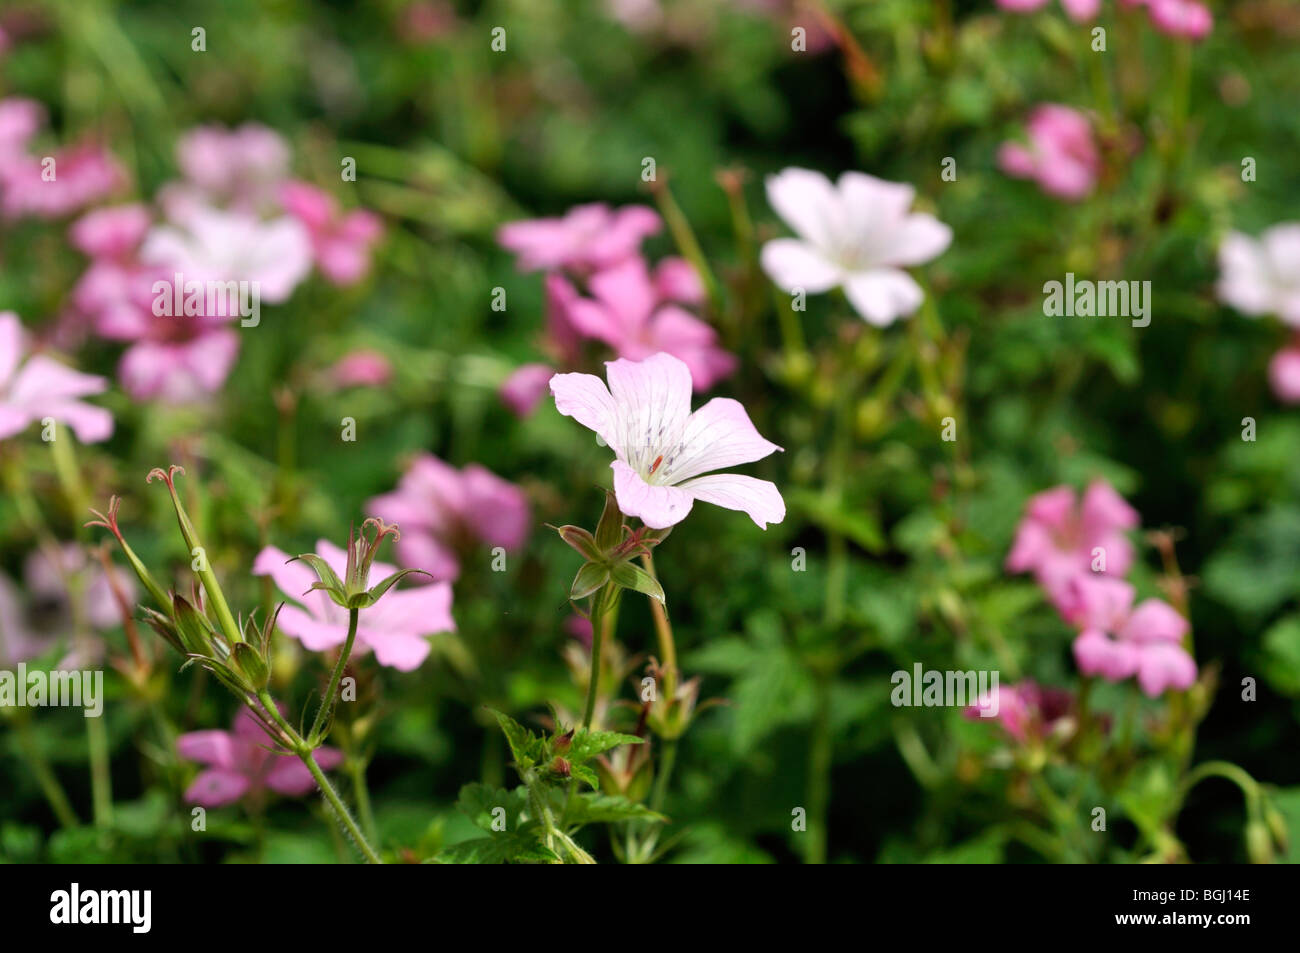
(1078, 553)
(1182, 18)
(234, 217)
(442, 512)
(1025, 710)
(1261, 276)
(1061, 154)
(51, 185)
(633, 310)
(47, 575)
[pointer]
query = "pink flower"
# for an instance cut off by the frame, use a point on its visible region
(1024, 710)
(859, 233)
(1062, 156)
(1182, 18)
(1284, 374)
(219, 246)
(77, 177)
(396, 627)
(178, 360)
(1058, 539)
(629, 314)
(524, 389)
(239, 764)
(1260, 276)
(441, 510)
(1118, 641)
(42, 387)
(340, 242)
(586, 238)
(47, 576)
(242, 166)
(18, 643)
(111, 232)
(1078, 10)
(662, 449)
(20, 119)
(364, 368)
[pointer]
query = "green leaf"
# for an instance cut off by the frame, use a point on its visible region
(580, 772)
(523, 846)
(857, 524)
(480, 803)
(596, 808)
(634, 577)
(525, 747)
(587, 744)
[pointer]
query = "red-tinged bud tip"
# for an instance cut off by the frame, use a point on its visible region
(168, 476)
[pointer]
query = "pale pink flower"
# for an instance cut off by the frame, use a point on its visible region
(47, 576)
(859, 233)
(81, 175)
(1078, 10)
(42, 387)
(20, 119)
(631, 314)
(1062, 155)
(18, 643)
(340, 242)
(363, 368)
(442, 511)
(115, 291)
(1059, 538)
(218, 246)
(177, 360)
(1284, 374)
(240, 763)
(1182, 18)
(1260, 276)
(663, 450)
(1024, 710)
(396, 627)
(587, 237)
(524, 389)
(1118, 641)
(242, 167)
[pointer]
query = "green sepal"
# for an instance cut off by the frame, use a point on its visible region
(590, 578)
(630, 576)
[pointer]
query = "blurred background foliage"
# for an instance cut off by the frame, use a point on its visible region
(452, 139)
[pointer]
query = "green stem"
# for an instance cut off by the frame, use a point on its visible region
(304, 752)
(819, 770)
(599, 608)
(357, 769)
(46, 777)
(340, 809)
(327, 703)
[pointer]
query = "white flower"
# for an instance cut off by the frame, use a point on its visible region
(1262, 275)
(858, 234)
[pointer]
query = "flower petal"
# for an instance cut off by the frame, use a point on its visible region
(793, 264)
(653, 404)
(586, 399)
(883, 295)
(717, 436)
(760, 499)
(657, 506)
